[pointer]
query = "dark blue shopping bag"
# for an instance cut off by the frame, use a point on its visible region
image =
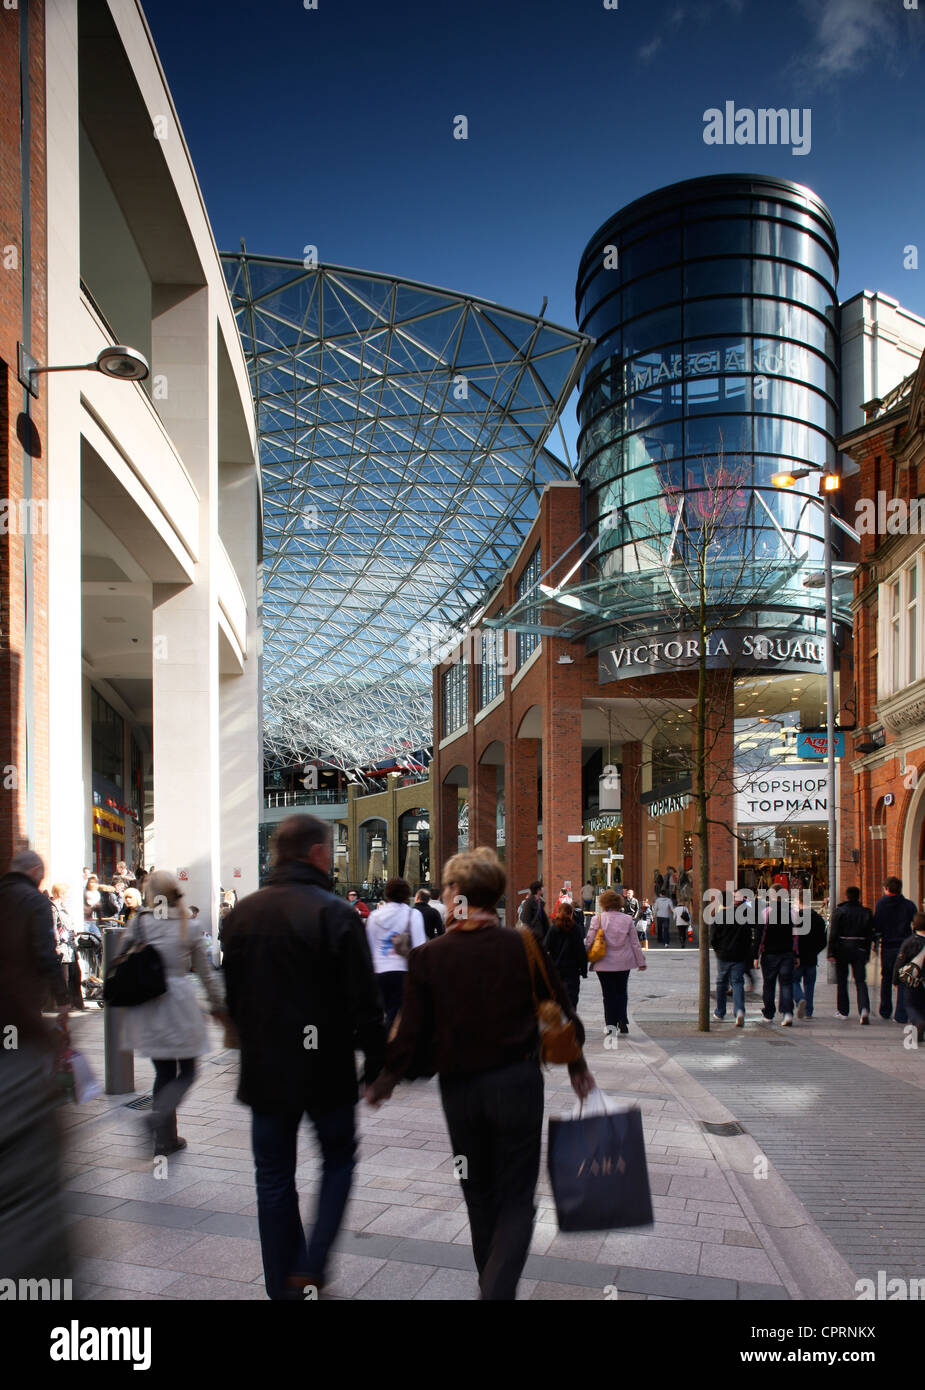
(597, 1166)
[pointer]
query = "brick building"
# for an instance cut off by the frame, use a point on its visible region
(885, 799)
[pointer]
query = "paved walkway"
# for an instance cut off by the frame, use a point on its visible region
(192, 1234)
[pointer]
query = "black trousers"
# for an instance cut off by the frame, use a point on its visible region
(495, 1120)
(172, 1080)
(392, 989)
(851, 956)
(614, 990)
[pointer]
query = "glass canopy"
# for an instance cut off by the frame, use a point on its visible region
(401, 440)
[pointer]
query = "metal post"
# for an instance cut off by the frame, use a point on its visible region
(119, 1065)
(830, 705)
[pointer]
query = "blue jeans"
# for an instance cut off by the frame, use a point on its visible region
(282, 1239)
(663, 927)
(730, 972)
(804, 985)
(777, 966)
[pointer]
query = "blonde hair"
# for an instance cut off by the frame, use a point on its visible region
(60, 890)
(478, 874)
(163, 885)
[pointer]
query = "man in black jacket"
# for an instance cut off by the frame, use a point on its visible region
(302, 994)
(777, 956)
(731, 940)
(809, 944)
(534, 912)
(433, 922)
(850, 937)
(892, 924)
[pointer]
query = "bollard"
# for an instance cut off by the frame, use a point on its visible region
(119, 1065)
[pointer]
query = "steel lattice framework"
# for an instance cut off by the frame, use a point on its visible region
(401, 438)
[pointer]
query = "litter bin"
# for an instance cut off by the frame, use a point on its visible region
(119, 1064)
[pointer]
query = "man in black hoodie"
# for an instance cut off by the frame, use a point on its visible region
(892, 924)
(850, 938)
(777, 955)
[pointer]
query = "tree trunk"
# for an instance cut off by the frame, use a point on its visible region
(700, 798)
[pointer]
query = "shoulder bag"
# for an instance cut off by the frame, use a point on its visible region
(599, 945)
(559, 1043)
(401, 941)
(136, 976)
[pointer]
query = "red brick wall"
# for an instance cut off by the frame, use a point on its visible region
(12, 547)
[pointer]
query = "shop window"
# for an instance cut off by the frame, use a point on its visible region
(901, 640)
(492, 665)
(106, 740)
(455, 698)
(527, 642)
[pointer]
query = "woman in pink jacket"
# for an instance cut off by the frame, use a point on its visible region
(624, 954)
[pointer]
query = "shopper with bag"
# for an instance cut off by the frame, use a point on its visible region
(622, 953)
(393, 931)
(170, 1027)
(565, 947)
(483, 1006)
(909, 972)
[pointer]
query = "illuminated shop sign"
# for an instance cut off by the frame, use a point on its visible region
(674, 366)
(775, 651)
(668, 805)
(790, 792)
(811, 745)
(594, 823)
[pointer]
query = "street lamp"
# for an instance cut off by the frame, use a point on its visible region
(829, 483)
(121, 362)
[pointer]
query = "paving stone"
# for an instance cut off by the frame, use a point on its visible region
(433, 1203)
(650, 1252)
(763, 1293)
(156, 1249)
(396, 1280)
(118, 1274)
(222, 1257)
(359, 1214)
(214, 1195)
(89, 1204)
(545, 1291)
(732, 1237)
(733, 1262)
(348, 1274)
(419, 1224)
(576, 1246)
(449, 1284)
(669, 1285)
(221, 1223)
(196, 1287)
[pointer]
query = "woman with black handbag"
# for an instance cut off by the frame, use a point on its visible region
(170, 1028)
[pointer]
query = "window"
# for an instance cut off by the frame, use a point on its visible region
(455, 698)
(492, 666)
(901, 641)
(527, 642)
(106, 740)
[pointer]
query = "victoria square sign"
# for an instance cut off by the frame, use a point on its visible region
(767, 651)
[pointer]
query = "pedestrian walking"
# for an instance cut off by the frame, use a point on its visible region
(470, 1017)
(809, 944)
(731, 937)
(631, 904)
(565, 947)
(433, 922)
(356, 902)
(533, 911)
(587, 900)
(623, 954)
(302, 995)
(682, 920)
(892, 924)
(393, 930)
(850, 939)
(33, 1230)
(643, 923)
(776, 955)
(914, 994)
(663, 909)
(171, 1028)
(66, 946)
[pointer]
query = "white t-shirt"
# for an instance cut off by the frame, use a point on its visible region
(388, 921)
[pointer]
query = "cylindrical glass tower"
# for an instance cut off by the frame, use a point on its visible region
(714, 308)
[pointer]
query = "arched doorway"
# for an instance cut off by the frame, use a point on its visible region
(913, 847)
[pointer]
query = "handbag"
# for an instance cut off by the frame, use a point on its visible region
(559, 1043)
(401, 941)
(136, 976)
(911, 973)
(599, 945)
(597, 1168)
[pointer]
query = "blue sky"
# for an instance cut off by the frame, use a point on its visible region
(333, 127)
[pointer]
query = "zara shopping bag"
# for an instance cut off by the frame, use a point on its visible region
(597, 1167)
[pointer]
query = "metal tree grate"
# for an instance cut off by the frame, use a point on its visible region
(142, 1103)
(727, 1130)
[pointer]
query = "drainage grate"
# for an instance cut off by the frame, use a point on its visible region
(725, 1131)
(142, 1103)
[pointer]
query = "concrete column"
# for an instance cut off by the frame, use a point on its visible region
(187, 791)
(521, 855)
(69, 802)
(240, 697)
(634, 821)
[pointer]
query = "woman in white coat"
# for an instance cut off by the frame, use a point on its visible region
(170, 1029)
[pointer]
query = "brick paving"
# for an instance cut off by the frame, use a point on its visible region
(192, 1234)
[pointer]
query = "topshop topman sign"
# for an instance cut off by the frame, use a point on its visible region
(766, 651)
